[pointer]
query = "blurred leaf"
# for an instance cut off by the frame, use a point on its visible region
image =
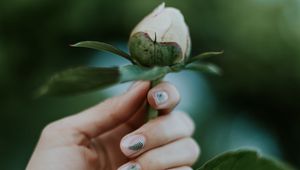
(243, 160)
(204, 67)
(203, 56)
(79, 80)
(102, 47)
(134, 72)
(83, 79)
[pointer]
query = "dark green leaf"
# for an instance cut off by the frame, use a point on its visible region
(84, 79)
(243, 160)
(102, 47)
(134, 72)
(203, 56)
(204, 67)
(80, 80)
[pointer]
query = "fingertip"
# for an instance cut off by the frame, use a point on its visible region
(129, 166)
(132, 144)
(163, 96)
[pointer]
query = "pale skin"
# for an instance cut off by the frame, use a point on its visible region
(97, 138)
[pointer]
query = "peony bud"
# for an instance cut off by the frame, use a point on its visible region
(161, 39)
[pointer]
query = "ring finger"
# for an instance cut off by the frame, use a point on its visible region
(183, 152)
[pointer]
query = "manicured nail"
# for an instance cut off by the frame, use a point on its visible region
(160, 97)
(132, 144)
(130, 166)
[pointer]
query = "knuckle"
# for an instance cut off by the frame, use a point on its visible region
(88, 155)
(193, 148)
(61, 131)
(187, 124)
(50, 129)
(163, 129)
(53, 129)
(150, 161)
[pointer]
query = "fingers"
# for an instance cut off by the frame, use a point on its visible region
(106, 115)
(128, 108)
(183, 152)
(164, 96)
(158, 132)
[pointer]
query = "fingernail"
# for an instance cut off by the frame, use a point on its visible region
(132, 144)
(160, 97)
(130, 166)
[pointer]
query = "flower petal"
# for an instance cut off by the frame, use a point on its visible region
(178, 31)
(155, 24)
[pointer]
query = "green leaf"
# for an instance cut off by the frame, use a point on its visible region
(243, 160)
(78, 80)
(134, 72)
(204, 67)
(84, 79)
(103, 47)
(203, 56)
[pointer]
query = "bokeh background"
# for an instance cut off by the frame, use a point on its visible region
(255, 104)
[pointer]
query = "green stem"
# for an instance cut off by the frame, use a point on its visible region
(153, 113)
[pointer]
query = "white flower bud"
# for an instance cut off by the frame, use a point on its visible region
(161, 38)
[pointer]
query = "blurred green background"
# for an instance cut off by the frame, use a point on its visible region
(255, 104)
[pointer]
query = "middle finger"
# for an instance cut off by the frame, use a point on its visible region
(157, 132)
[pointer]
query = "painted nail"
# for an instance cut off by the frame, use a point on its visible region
(160, 97)
(130, 166)
(132, 144)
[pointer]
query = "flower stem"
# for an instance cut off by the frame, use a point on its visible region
(153, 113)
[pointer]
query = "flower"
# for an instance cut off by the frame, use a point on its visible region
(159, 44)
(161, 39)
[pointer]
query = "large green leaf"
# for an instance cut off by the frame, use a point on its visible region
(243, 160)
(78, 80)
(203, 56)
(204, 67)
(102, 47)
(84, 79)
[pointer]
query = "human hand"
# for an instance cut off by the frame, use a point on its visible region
(113, 134)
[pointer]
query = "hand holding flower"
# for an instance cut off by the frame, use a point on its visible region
(90, 140)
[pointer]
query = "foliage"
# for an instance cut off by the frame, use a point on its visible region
(78, 80)
(243, 160)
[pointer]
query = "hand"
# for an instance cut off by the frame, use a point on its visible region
(113, 134)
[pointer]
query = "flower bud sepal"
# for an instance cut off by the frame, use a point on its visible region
(84, 79)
